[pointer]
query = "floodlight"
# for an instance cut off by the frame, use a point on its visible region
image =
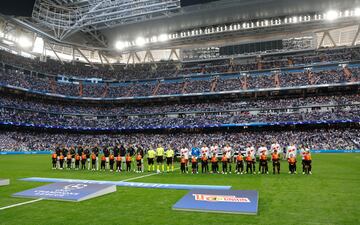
(331, 15)
(140, 41)
(24, 42)
(120, 45)
(357, 12)
(294, 19)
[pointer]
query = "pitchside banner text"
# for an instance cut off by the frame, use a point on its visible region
(68, 191)
(222, 201)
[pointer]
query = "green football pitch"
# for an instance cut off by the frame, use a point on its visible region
(329, 196)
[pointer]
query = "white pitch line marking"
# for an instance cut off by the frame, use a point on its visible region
(39, 199)
(21, 203)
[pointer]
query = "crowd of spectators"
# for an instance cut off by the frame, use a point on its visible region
(344, 139)
(175, 69)
(43, 112)
(243, 116)
(68, 107)
(180, 86)
(81, 70)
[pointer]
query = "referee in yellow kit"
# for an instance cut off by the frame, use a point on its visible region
(169, 159)
(160, 158)
(150, 158)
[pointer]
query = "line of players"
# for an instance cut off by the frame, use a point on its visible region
(242, 159)
(88, 158)
(245, 161)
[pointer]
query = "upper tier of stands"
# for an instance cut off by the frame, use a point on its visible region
(172, 69)
(279, 71)
(212, 83)
(331, 74)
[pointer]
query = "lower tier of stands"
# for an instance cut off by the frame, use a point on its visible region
(324, 138)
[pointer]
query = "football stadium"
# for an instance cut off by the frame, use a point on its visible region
(177, 112)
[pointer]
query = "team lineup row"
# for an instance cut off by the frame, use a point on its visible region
(125, 160)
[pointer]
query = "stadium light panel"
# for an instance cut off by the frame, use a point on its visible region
(140, 41)
(24, 42)
(120, 45)
(7, 42)
(163, 37)
(38, 45)
(357, 12)
(331, 15)
(294, 19)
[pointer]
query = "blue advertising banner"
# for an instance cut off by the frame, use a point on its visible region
(137, 128)
(131, 184)
(26, 153)
(336, 151)
(220, 201)
(68, 191)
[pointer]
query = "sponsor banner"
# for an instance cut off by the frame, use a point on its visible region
(27, 153)
(173, 186)
(68, 191)
(133, 128)
(220, 201)
(336, 151)
(131, 184)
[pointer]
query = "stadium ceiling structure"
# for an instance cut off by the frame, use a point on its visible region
(101, 23)
(137, 31)
(66, 17)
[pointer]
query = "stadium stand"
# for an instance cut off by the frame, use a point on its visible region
(192, 84)
(345, 139)
(296, 70)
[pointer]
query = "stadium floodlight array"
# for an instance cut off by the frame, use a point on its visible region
(328, 16)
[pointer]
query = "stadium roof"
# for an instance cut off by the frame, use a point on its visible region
(224, 11)
(101, 23)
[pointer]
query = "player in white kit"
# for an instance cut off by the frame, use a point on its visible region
(228, 151)
(250, 150)
(275, 146)
(214, 149)
(291, 150)
(304, 149)
(205, 150)
(262, 150)
(184, 151)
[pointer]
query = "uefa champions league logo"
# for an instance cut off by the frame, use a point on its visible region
(67, 190)
(72, 187)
